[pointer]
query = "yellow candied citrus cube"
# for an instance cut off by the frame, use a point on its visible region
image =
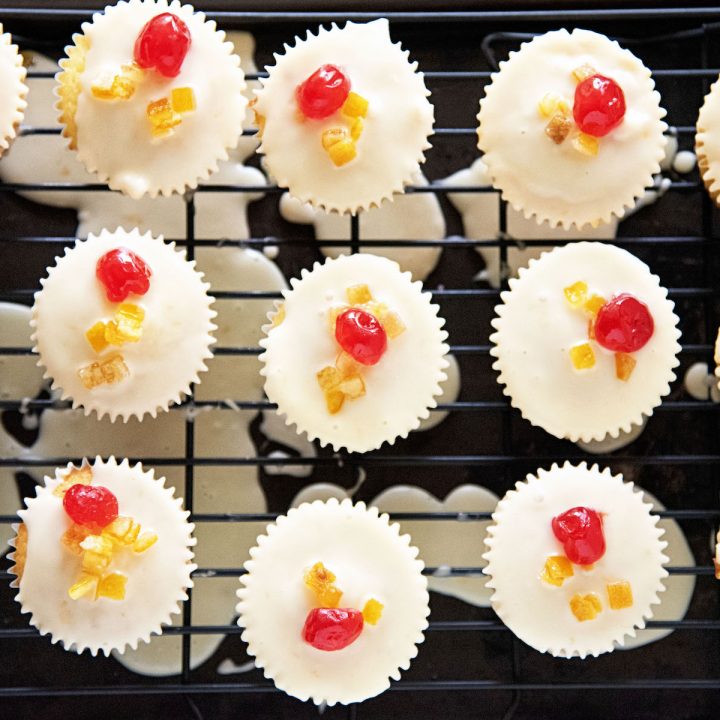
(183, 100)
(334, 400)
(591, 328)
(582, 356)
(320, 580)
(97, 544)
(359, 294)
(576, 294)
(332, 136)
(559, 127)
(77, 476)
(372, 611)
(73, 537)
(557, 569)
(620, 595)
(118, 528)
(112, 586)
(86, 584)
(144, 542)
(278, 316)
(333, 314)
(102, 85)
(392, 324)
(127, 325)
(96, 336)
(357, 128)
(132, 534)
(624, 366)
(342, 152)
(329, 378)
(586, 144)
(111, 369)
(550, 103)
(594, 304)
(347, 365)
(162, 117)
(353, 387)
(583, 72)
(95, 563)
(123, 88)
(355, 105)
(585, 607)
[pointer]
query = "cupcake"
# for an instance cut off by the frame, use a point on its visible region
(102, 556)
(333, 602)
(355, 354)
(572, 129)
(586, 341)
(707, 141)
(122, 324)
(150, 97)
(13, 90)
(344, 117)
(575, 560)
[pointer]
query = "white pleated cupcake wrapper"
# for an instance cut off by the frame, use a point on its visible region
(17, 96)
(228, 135)
(635, 416)
(442, 363)
(415, 155)
(642, 611)
(95, 402)
(80, 639)
(278, 666)
(616, 207)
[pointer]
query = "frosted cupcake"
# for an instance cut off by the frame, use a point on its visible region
(334, 602)
(150, 96)
(102, 556)
(707, 141)
(344, 117)
(575, 560)
(572, 129)
(13, 90)
(586, 341)
(122, 324)
(355, 354)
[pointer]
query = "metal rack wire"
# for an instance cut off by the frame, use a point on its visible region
(700, 452)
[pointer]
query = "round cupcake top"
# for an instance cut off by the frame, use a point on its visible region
(12, 89)
(707, 141)
(333, 603)
(344, 117)
(355, 354)
(571, 128)
(586, 341)
(151, 97)
(575, 560)
(102, 556)
(122, 324)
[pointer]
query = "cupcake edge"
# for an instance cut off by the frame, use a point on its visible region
(8, 134)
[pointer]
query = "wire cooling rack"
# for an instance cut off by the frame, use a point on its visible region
(468, 658)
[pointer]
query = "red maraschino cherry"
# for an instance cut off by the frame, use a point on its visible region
(163, 44)
(360, 334)
(599, 105)
(580, 530)
(624, 324)
(91, 505)
(332, 629)
(323, 93)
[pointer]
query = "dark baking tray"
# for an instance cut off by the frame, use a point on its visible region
(469, 664)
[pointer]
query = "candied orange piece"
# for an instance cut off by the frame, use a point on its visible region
(112, 586)
(392, 324)
(576, 294)
(582, 356)
(359, 294)
(132, 534)
(76, 476)
(118, 528)
(334, 400)
(352, 387)
(95, 563)
(144, 542)
(127, 325)
(558, 127)
(620, 595)
(357, 128)
(329, 378)
(594, 304)
(333, 314)
(342, 152)
(96, 336)
(557, 569)
(97, 544)
(347, 365)
(332, 136)
(182, 100)
(550, 103)
(583, 72)
(85, 585)
(121, 86)
(591, 329)
(162, 117)
(586, 144)
(624, 365)
(73, 536)
(585, 607)
(20, 550)
(320, 580)
(278, 316)
(111, 369)
(372, 611)
(355, 105)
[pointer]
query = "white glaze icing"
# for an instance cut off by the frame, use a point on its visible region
(610, 444)
(176, 329)
(700, 383)
(555, 182)
(12, 90)
(416, 216)
(19, 375)
(157, 579)
(539, 613)
(370, 560)
(394, 138)
(535, 327)
(399, 389)
(114, 139)
(450, 391)
(707, 140)
(684, 162)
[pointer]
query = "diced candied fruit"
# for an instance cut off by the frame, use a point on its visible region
(97, 544)
(620, 595)
(342, 152)
(20, 550)
(576, 294)
(182, 100)
(132, 534)
(361, 334)
(111, 369)
(333, 314)
(599, 105)
(329, 378)
(347, 366)
(278, 316)
(334, 400)
(144, 542)
(557, 569)
(331, 136)
(77, 476)
(550, 103)
(323, 92)
(591, 328)
(112, 586)
(392, 323)
(85, 585)
(356, 129)
(580, 530)
(558, 127)
(372, 611)
(126, 326)
(91, 505)
(95, 563)
(353, 387)
(583, 72)
(624, 324)
(594, 303)
(355, 105)
(582, 356)
(118, 529)
(162, 117)
(96, 336)
(321, 581)
(359, 294)
(585, 607)
(332, 628)
(73, 536)
(122, 272)
(624, 366)
(102, 86)
(120, 86)
(163, 44)
(586, 144)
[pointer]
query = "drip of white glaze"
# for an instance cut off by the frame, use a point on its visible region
(700, 383)
(684, 162)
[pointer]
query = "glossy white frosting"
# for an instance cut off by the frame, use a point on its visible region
(12, 89)
(370, 560)
(535, 328)
(521, 539)
(554, 182)
(707, 140)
